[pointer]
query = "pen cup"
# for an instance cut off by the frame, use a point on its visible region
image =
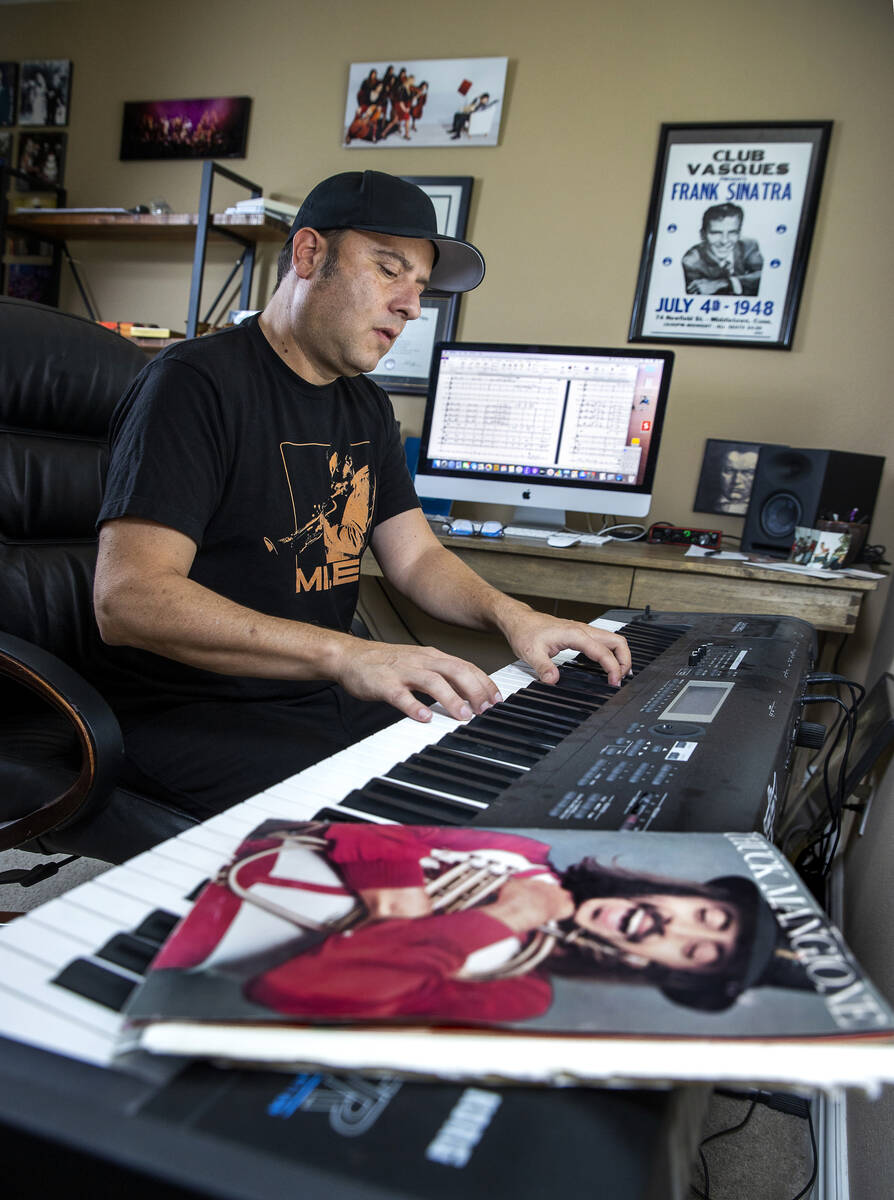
(857, 533)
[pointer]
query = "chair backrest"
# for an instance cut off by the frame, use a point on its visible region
(60, 378)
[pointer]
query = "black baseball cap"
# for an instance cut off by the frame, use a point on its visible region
(380, 203)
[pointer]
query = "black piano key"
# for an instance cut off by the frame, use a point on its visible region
(197, 890)
(95, 983)
(563, 718)
(340, 818)
(485, 746)
(538, 722)
(579, 696)
(396, 803)
(579, 684)
(442, 779)
(593, 672)
(546, 693)
(125, 950)
(495, 722)
(493, 774)
(157, 926)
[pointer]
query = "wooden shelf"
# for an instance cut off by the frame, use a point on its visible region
(144, 227)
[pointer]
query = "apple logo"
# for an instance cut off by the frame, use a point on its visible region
(526, 494)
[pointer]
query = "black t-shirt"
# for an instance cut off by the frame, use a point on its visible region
(279, 483)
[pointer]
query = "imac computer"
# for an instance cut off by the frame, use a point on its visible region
(544, 428)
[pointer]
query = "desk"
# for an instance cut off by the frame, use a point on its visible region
(634, 574)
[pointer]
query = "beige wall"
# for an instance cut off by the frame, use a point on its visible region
(560, 205)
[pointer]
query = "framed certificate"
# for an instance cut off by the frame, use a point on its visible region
(405, 368)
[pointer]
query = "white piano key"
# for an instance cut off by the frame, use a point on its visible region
(26, 1019)
(30, 977)
(86, 931)
(167, 870)
(200, 858)
(133, 885)
(127, 908)
(47, 943)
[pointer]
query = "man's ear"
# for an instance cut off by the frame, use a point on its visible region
(308, 252)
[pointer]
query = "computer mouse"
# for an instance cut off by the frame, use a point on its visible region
(562, 540)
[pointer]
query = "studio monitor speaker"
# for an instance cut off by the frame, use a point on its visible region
(798, 487)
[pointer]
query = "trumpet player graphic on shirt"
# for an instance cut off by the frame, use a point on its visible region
(332, 519)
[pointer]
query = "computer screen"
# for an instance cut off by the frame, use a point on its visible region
(544, 428)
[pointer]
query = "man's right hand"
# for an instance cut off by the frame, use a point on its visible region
(383, 671)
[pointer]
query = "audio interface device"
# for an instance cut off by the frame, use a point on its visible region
(680, 535)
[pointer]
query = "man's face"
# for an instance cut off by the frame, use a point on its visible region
(721, 235)
(685, 933)
(356, 311)
(737, 475)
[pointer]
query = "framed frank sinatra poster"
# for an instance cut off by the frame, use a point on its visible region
(728, 234)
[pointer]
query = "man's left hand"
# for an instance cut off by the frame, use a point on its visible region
(537, 638)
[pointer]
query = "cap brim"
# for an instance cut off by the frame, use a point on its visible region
(460, 267)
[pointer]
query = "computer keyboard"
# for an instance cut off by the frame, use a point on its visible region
(528, 531)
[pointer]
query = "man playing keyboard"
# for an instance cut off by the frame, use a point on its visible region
(249, 471)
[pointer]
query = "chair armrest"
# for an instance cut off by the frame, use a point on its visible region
(94, 724)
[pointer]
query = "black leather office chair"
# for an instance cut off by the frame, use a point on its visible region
(60, 744)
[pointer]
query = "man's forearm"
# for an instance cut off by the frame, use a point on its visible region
(180, 619)
(443, 586)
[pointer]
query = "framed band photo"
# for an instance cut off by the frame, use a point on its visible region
(407, 365)
(728, 233)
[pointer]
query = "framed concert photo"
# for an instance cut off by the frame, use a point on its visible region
(185, 129)
(728, 233)
(407, 365)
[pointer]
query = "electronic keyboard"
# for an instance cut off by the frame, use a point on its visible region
(700, 737)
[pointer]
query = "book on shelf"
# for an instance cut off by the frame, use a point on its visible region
(533, 956)
(134, 330)
(263, 206)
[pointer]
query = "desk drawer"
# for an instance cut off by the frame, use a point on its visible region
(555, 578)
(832, 609)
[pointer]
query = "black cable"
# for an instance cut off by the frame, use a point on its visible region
(706, 1194)
(29, 876)
(812, 1180)
(837, 658)
(758, 1099)
(815, 858)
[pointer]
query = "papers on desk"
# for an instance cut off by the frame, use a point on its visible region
(790, 567)
(725, 555)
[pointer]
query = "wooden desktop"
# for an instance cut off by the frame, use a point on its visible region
(634, 574)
